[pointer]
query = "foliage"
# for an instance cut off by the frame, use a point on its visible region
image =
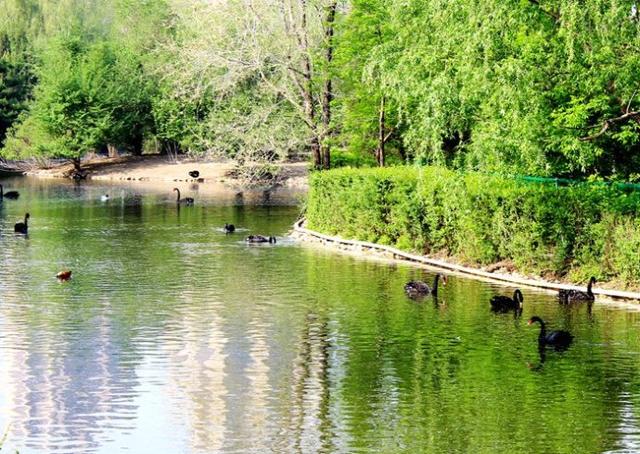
(15, 81)
(88, 97)
(87, 61)
(511, 87)
(582, 229)
(363, 35)
(351, 159)
(508, 87)
(249, 82)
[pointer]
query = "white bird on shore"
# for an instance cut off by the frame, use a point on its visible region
(105, 198)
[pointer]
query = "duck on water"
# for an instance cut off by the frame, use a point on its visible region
(22, 227)
(260, 239)
(64, 275)
(416, 289)
(186, 201)
(9, 194)
(559, 340)
(503, 304)
(576, 296)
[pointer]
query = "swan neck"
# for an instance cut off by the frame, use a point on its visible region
(543, 332)
(178, 198)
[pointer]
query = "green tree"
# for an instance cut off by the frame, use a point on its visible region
(517, 86)
(15, 85)
(90, 96)
(367, 117)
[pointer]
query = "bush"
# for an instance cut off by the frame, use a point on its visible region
(341, 158)
(578, 230)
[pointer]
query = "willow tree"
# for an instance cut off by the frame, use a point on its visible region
(367, 117)
(526, 86)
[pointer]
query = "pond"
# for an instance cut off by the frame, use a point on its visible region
(174, 337)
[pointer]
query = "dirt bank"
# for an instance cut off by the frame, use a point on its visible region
(164, 169)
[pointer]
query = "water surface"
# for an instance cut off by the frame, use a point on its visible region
(174, 337)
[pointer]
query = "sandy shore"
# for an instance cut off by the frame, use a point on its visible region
(157, 168)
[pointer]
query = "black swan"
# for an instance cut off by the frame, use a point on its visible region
(186, 200)
(9, 194)
(260, 239)
(415, 289)
(229, 228)
(560, 340)
(22, 227)
(500, 303)
(194, 174)
(571, 296)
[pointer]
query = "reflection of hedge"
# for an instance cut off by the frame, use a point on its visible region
(581, 229)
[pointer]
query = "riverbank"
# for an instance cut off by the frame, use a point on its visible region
(496, 273)
(156, 168)
(495, 224)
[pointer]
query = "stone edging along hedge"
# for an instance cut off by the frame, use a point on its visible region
(397, 254)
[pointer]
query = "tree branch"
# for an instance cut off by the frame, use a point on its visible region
(389, 134)
(551, 14)
(611, 121)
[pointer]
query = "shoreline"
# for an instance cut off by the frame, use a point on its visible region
(366, 249)
(157, 168)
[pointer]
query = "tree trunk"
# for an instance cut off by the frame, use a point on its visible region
(137, 144)
(307, 88)
(381, 136)
(169, 147)
(316, 151)
(112, 151)
(327, 95)
(326, 120)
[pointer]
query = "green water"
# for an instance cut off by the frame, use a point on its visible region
(174, 337)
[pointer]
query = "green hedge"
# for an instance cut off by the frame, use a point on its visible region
(579, 230)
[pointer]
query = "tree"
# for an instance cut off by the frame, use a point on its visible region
(516, 86)
(367, 115)
(15, 86)
(276, 53)
(89, 96)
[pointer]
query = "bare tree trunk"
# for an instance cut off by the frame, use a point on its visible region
(326, 120)
(306, 87)
(381, 136)
(316, 151)
(112, 150)
(327, 94)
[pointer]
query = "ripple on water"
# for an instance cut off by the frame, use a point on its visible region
(174, 337)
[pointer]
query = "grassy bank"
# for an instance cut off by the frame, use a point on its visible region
(563, 232)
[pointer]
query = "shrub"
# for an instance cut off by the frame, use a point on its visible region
(579, 230)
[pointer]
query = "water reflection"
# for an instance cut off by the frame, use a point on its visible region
(174, 337)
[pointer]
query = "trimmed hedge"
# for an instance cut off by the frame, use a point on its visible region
(579, 230)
